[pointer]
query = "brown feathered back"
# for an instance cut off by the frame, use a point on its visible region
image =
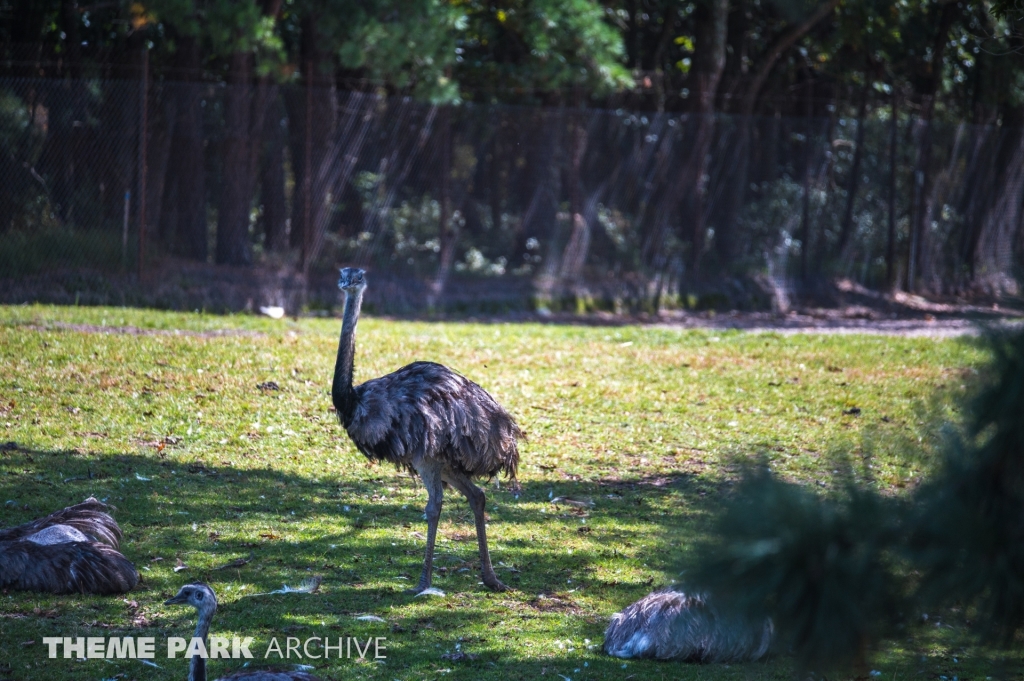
(426, 409)
(91, 517)
(93, 566)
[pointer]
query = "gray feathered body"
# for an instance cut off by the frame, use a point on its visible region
(671, 625)
(429, 420)
(426, 410)
(74, 550)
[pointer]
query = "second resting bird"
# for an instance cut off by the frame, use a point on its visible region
(427, 419)
(74, 550)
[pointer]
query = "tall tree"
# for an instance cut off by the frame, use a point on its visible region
(927, 86)
(726, 239)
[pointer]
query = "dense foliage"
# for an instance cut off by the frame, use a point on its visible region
(896, 157)
(836, 572)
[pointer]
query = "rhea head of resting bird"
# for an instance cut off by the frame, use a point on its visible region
(426, 419)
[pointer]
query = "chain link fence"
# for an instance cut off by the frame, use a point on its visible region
(190, 195)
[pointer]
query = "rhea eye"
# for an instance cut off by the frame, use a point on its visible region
(199, 595)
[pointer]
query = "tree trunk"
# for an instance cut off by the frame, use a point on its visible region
(575, 254)
(805, 217)
(846, 227)
(742, 147)
(233, 246)
(540, 196)
(920, 266)
(272, 182)
(496, 182)
(28, 17)
(979, 190)
(161, 130)
(67, 116)
(183, 222)
(316, 102)
(447, 230)
(890, 247)
(709, 63)
(992, 256)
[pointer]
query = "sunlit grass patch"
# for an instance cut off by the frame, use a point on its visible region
(220, 446)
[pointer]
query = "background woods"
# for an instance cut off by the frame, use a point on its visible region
(613, 154)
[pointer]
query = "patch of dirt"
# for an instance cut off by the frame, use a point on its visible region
(554, 602)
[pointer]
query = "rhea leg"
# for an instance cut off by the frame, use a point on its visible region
(430, 473)
(477, 502)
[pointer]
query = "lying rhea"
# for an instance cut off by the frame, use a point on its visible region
(671, 625)
(74, 550)
(201, 597)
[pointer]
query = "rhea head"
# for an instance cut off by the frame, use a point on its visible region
(351, 279)
(198, 595)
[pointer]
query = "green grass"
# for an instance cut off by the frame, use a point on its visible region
(204, 467)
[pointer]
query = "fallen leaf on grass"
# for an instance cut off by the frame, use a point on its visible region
(180, 566)
(237, 562)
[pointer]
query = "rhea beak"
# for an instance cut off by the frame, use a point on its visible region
(177, 600)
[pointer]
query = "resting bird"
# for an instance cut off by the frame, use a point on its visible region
(71, 551)
(428, 419)
(201, 597)
(670, 625)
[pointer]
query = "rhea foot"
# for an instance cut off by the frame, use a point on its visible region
(418, 589)
(494, 584)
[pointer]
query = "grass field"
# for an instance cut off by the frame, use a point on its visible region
(205, 467)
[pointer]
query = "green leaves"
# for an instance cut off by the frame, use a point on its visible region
(968, 534)
(821, 568)
(539, 46)
(836, 572)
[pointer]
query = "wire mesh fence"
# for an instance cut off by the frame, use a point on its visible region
(186, 194)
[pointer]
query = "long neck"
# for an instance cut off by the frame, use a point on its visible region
(342, 394)
(197, 665)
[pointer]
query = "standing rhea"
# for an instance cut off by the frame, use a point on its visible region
(71, 551)
(428, 419)
(201, 597)
(671, 625)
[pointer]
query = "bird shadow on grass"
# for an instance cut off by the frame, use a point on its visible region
(168, 507)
